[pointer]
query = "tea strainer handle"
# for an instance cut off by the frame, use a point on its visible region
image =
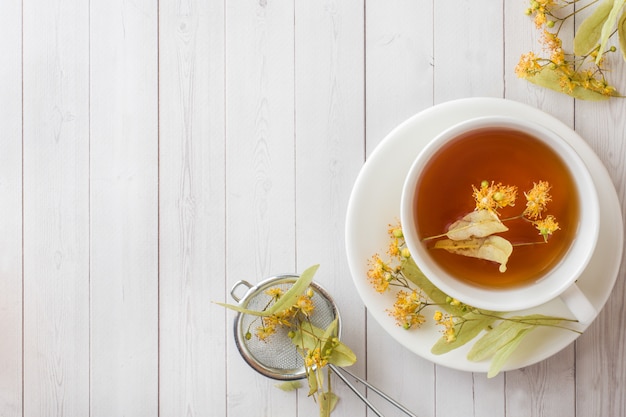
(237, 285)
(338, 371)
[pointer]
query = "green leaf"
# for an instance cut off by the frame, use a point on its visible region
(288, 386)
(588, 34)
(417, 277)
(328, 401)
(311, 337)
(621, 31)
(296, 290)
(342, 356)
(608, 26)
(312, 380)
(504, 352)
(494, 339)
(243, 310)
(472, 325)
(284, 302)
(550, 78)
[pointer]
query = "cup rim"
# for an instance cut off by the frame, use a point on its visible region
(550, 286)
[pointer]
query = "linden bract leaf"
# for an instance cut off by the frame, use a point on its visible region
(503, 353)
(472, 324)
(288, 386)
(607, 27)
(621, 30)
(551, 78)
(479, 223)
(491, 248)
(588, 34)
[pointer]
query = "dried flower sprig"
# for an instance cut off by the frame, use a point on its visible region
(500, 333)
(475, 234)
(581, 72)
(292, 311)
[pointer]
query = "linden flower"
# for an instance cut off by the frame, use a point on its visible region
(304, 304)
(447, 321)
(314, 358)
(546, 226)
(379, 274)
(275, 293)
(527, 65)
(494, 196)
(265, 331)
(537, 199)
(406, 309)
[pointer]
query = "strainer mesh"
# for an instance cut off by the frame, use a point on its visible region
(277, 352)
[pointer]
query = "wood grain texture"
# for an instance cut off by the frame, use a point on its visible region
(260, 183)
(329, 130)
(11, 209)
(468, 49)
(56, 208)
(123, 209)
(192, 210)
(153, 153)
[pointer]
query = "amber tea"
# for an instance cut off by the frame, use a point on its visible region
(496, 155)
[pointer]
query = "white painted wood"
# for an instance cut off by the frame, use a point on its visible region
(468, 49)
(192, 210)
(123, 209)
(399, 83)
(398, 64)
(329, 132)
(56, 208)
(11, 209)
(154, 153)
(260, 194)
(599, 352)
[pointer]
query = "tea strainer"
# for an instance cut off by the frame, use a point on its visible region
(278, 358)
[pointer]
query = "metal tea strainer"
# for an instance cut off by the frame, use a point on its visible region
(278, 358)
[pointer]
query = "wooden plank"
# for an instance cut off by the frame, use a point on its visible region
(260, 216)
(398, 84)
(11, 209)
(329, 97)
(600, 354)
(192, 209)
(123, 205)
(56, 208)
(399, 64)
(469, 49)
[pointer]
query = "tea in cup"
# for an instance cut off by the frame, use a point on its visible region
(502, 214)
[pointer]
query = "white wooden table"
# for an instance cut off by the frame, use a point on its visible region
(152, 153)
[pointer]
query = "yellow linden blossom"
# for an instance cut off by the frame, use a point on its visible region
(304, 304)
(537, 199)
(265, 331)
(527, 65)
(546, 226)
(379, 274)
(541, 8)
(494, 196)
(275, 293)
(406, 309)
(314, 358)
(447, 321)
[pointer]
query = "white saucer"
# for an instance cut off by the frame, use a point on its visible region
(375, 203)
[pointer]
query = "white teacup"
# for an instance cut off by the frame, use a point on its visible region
(559, 281)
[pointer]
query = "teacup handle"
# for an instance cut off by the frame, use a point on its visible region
(579, 304)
